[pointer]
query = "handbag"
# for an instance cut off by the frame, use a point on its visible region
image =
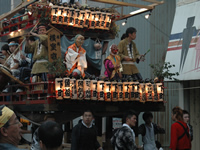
(97, 44)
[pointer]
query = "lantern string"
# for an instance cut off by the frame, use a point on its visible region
(188, 88)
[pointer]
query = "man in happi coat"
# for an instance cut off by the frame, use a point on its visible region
(130, 55)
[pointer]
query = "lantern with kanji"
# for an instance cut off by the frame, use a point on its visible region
(79, 86)
(66, 87)
(126, 91)
(107, 90)
(120, 90)
(142, 91)
(160, 91)
(59, 88)
(149, 91)
(131, 90)
(114, 94)
(100, 90)
(86, 89)
(93, 86)
(136, 91)
(73, 90)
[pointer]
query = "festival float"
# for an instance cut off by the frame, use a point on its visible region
(63, 94)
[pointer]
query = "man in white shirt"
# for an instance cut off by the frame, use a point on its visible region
(71, 2)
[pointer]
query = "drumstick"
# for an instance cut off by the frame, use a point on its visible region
(11, 55)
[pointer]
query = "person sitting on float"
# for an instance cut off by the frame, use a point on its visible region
(75, 57)
(113, 64)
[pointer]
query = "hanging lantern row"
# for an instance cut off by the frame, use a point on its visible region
(70, 88)
(80, 18)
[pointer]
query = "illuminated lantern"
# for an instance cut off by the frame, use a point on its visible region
(71, 16)
(54, 12)
(60, 15)
(86, 89)
(107, 90)
(120, 90)
(136, 91)
(93, 86)
(81, 18)
(98, 20)
(126, 91)
(114, 94)
(159, 91)
(66, 14)
(107, 21)
(102, 20)
(142, 91)
(87, 18)
(66, 87)
(149, 91)
(76, 18)
(59, 88)
(92, 20)
(73, 91)
(100, 90)
(131, 90)
(79, 86)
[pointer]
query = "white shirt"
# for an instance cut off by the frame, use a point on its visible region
(67, 1)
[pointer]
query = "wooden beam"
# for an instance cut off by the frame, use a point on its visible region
(11, 13)
(154, 1)
(123, 3)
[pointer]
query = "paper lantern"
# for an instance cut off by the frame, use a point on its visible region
(160, 91)
(136, 91)
(126, 91)
(149, 91)
(120, 90)
(131, 90)
(142, 91)
(107, 90)
(73, 90)
(87, 18)
(86, 89)
(98, 20)
(114, 94)
(100, 90)
(59, 88)
(79, 86)
(93, 86)
(66, 87)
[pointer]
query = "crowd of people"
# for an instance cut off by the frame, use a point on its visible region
(49, 135)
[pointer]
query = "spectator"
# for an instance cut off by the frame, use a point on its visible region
(186, 119)
(35, 143)
(180, 137)
(76, 2)
(129, 55)
(124, 138)
(50, 135)
(148, 131)
(84, 134)
(10, 129)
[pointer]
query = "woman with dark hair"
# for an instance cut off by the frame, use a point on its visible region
(180, 138)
